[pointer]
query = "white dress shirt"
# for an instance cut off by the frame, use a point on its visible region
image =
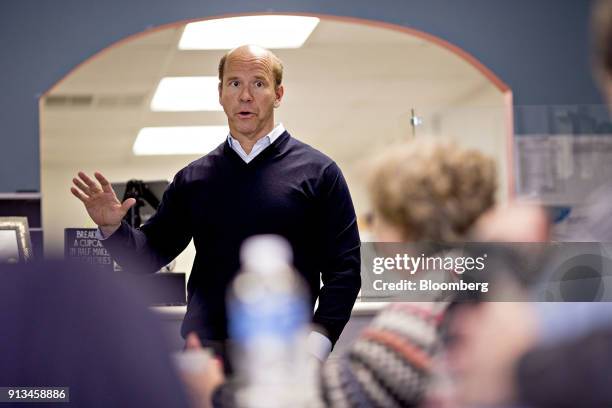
(259, 146)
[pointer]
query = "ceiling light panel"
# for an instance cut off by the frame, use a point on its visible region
(178, 140)
(176, 94)
(270, 31)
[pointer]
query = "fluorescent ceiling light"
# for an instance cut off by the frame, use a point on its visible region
(174, 140)
(187, 94)
(266, 31)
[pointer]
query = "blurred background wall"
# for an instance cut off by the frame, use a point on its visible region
(538, 48)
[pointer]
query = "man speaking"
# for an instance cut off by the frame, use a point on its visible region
(260, 181)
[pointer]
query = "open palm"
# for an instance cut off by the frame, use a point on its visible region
(100, 200)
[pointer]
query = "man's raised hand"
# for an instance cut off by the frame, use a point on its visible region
(101, 201)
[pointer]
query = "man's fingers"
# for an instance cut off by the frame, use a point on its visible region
(127, 204)
(90, 183)
(106, 187)
(78, 194)
(80, 185)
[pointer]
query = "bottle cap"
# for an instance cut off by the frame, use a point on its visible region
(264, 253)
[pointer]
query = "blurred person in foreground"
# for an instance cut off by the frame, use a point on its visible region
(420, 192)
(546, 355)
(525, 353)
(72, 326)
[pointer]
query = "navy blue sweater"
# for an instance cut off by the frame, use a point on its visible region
(289, 189)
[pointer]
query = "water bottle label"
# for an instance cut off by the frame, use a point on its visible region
(276, 317)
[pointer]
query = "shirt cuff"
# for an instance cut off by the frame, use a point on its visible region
(319, 346)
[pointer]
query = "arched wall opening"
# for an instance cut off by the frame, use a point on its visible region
(352, 88)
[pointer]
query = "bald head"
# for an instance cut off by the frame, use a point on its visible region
(246, 52)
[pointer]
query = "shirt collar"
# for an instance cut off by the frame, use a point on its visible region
(270, 137)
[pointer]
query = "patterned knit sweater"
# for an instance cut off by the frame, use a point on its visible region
(390, 363)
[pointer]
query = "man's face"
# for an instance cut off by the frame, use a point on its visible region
(248, 94)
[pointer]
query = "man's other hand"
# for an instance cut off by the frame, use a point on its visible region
(201, 381)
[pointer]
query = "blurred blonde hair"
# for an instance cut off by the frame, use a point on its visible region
(432, 192)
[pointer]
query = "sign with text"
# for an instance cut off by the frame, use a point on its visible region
(82, 245)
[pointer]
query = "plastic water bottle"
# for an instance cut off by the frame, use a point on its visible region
(269, 316)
